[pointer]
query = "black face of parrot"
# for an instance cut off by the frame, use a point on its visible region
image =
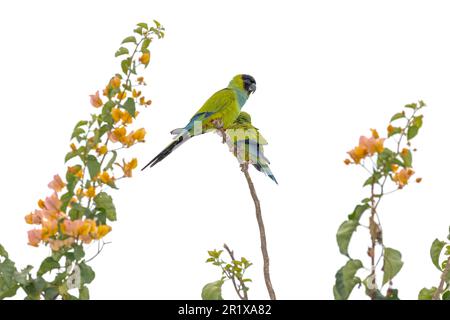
(249, 83)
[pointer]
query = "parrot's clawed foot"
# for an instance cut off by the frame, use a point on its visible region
(218, 124)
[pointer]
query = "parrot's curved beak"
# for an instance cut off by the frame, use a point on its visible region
(252, 88)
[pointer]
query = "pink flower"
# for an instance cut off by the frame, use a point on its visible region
(52, 205)
(95, 100)
(70, 227)
(56, 184)
(34, 237)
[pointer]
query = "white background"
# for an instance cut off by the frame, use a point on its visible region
(326, 72)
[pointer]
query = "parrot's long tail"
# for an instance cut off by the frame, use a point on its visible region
(179, 140)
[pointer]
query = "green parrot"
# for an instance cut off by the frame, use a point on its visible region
(246, 143)
(219, 112)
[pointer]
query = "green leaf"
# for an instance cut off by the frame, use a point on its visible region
(65, 199)
(418, 121)
(374, 178)
(129, 39)
(142, 25)
(435, 252)
(23, 277)
(157, 24)
(76, 212)
(125, 65)
(77, 132)
(138, 30)
(104, 203)
(392, 264)
(407, 158)
(51, 293)
(427, 294)
(411, 106)
(81, 124)
(3, 252)
(412, 132)
(34, 288)
(78, 252)
(121, 51)
(93, 166)
(344, 234)
(70, 155)
(84, 293)
(448, 237)
(399, 115)
(346, 280)
(145, 43)
(111, 161)
(47, 265)
(129, 105)
(87, 274)
(213, 291)
(8, 285)
(359, 210)
(446, 295)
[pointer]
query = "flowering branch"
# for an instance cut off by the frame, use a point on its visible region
(386, 165)
(79, 209)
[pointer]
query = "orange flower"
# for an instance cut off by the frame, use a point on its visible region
(56, 184)
(140, 81)
(41, 204)
(390, 129)
(136, 93)
(95, 100)
(102, 231)
(86, 227)
(367, 147)
(375, 134)
(142, 102)
(404, 152)
(419, 180)
(402, 177)
(116, 114)
(49, 229)
(128, 140)
(394, 167)
(90, 192)
(33, 218)
(139, 135)
(121, 95)
(145, 58)
(73, 147)
(106, 91)
(118, 133)
(102, 150)
(70, 228)
(126, 117)
(115, 82)
(357, 154)
(347, 161)
(34, 237)
(105, 178)
(128, 167)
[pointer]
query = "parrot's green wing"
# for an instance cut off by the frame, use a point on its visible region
(221, 105)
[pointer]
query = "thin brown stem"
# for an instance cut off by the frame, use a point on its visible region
(262, 232)
(242, 284)
(373, 237)
(444, 276)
